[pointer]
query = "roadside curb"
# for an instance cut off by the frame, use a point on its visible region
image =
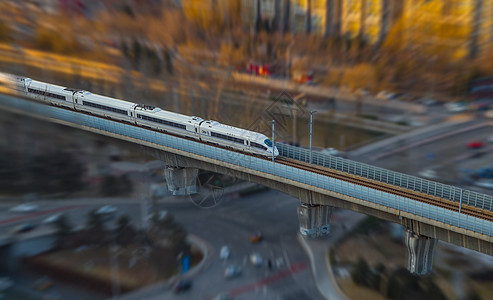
(311, 256)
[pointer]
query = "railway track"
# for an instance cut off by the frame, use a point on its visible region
(374, 184)
(418, 196)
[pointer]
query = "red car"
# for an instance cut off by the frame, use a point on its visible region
(475, 144)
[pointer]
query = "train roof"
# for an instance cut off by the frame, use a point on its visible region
(106, 100)
(234, 131)
(169, 115)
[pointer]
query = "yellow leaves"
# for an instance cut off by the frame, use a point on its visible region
(362, 75)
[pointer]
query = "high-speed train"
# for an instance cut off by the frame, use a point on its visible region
(148, 116)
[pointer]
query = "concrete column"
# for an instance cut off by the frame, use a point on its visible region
(421, 250)
(314, 220)
(181, 181)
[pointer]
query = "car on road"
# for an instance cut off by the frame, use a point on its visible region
(182, 286)
(256, 259)
(428, 174)
(384, 95)
(256, 237)
(232, 271)
(474, 144)
(52, 219)
(224, 253)
(330, 151)
(23, 228)
(455, 106)
(488, 184)
(107, 210)
(26, 207)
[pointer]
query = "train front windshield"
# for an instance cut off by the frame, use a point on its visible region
(268, 143)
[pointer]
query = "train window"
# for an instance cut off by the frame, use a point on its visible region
(104, 107)
(268, 143)
(226, 137)
(256, 145)
(161, 121)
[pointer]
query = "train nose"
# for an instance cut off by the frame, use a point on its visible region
(276, 152)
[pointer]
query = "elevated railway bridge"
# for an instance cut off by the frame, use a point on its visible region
(429, 210)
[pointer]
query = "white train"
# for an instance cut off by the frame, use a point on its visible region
(148, 116)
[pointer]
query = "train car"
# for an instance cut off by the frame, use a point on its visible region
(156, 118)
(103, 106)
(44, 92)
(149, 116)
(237, 138)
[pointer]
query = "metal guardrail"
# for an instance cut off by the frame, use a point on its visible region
(281, 171)
(391, 177)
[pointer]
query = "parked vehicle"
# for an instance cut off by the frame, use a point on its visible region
(26, 207)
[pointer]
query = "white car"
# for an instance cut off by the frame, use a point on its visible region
(455, 107)
(106, 210)
(330, 151)
(232, 271)
(224, 253)
(52, 219)
(487, 184)
(428, 174)
(256, 259)
(384, 95)
(26, 207)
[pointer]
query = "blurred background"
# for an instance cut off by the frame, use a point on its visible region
(406, 85)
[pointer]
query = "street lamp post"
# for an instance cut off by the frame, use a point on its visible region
(311, 131)
(273, 137)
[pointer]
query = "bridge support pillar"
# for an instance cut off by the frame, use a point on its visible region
(421, 251)
(181, 181)
(314, 220)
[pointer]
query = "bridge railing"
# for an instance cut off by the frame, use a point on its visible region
(391, 177)
(174, 144)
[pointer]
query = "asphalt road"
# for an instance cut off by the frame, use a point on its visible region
(230, 223)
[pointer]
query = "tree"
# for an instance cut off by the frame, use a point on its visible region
(361, 272)
(95, 221)
(63, 226)
(4, 32)
(122, 222)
